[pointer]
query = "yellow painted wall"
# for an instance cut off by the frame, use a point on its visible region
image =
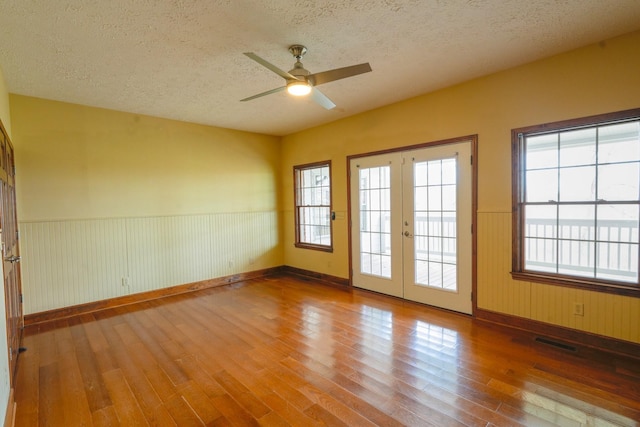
(82, 162)
(592, 80)
(112, 203)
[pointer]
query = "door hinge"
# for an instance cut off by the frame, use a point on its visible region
(471, 296)
(471, 160)
(20, 298)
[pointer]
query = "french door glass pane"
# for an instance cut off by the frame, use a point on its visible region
(375, 221)
(435, 251)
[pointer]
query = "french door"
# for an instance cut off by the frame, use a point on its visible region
(411, 230)
(10, 251)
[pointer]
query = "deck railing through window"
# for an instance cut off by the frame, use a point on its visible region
(579, 247)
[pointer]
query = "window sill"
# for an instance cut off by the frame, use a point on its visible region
(573, 282)
(314, 247)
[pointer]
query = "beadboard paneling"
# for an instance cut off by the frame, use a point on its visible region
(497, 291)
(605, 314)
(73, 262)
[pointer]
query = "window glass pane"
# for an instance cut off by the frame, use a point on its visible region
(541, 221)
(578, 147)
(577, 184)
(619, 142)
(542, 185)
(577, 222)
(619, 182)
(618, 223)
(540, 255)
(540, 249)
(306, 177)
(617, 261)
(541, 151)
(306, 197)
(576, 258)
(304, 215)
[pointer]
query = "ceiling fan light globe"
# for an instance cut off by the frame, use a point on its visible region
(299, 88)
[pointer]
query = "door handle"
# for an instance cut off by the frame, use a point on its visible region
(13, 259)
(407, 234)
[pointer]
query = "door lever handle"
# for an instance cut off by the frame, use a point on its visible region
(12, 259)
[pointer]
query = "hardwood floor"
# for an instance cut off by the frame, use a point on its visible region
(282, 351)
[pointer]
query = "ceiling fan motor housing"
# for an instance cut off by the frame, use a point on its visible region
(297, 50)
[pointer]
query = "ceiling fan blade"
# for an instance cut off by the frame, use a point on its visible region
(270, 66)
(338, 73)
(322, 99)
(269, 92)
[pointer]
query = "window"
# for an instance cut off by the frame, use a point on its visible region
(313, 206)
(576, 194)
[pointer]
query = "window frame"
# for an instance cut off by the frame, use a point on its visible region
(518, 183)
(297, 170)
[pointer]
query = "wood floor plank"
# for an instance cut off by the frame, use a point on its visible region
(283, 351)
(75, 402)
(124, 402)
(50, 404)
(199, 402)
(28, 376)
(105, 417)
(95, 390)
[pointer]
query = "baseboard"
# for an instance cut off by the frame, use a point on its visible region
(579, 339)
(307, 274)
(62, 313)
(10, 416)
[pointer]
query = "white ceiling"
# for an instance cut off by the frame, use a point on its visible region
(182, 59)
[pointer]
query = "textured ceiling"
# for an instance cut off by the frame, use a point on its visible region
(182, 59)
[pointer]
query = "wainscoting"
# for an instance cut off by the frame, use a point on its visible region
(609, 315)
(67, 263)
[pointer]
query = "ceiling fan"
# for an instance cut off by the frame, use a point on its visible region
(300, 81)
